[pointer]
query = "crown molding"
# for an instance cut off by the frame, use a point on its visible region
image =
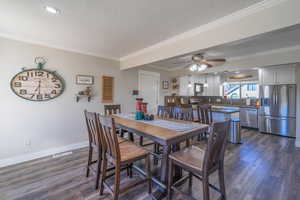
(35, 42)
(221, 21)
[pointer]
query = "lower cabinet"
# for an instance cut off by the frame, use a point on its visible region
(249, 117)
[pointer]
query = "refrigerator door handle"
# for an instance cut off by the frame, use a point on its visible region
(273, 95)
(277, 94)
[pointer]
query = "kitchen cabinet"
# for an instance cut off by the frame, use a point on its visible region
(277, 75)
(249, 117)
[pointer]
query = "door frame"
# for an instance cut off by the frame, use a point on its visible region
(156, 75)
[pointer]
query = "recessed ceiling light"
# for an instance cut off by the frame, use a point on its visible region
(52, 10)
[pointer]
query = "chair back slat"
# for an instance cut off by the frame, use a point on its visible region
(204, 114)
(112, 109)
(93, 128)
(217, 141)
(164, 111)
(183, 114)
(111, 145)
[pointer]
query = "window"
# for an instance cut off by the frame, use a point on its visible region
(249, 90)
(107, 89)
(241, 90)
(232, 91)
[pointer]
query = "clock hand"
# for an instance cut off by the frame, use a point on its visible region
(39, 86)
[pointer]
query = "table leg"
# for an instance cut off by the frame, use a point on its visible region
(160, 193)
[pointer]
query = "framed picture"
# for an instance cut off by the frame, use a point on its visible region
(165, 85)
(84, 80)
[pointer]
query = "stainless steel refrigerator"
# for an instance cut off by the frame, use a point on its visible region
(277, 114)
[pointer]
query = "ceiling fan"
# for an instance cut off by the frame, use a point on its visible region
(199, 63)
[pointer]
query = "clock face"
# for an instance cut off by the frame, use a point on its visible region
(37, 85)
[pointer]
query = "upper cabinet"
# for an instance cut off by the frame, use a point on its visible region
(277, 75)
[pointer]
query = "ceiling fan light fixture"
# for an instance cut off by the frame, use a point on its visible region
(202, 67)
(52, 10)
(194, 67)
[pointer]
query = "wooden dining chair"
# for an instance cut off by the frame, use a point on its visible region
(186, 114)
(118, 155)
(181, 113)
(164, 111)
(95, 144)
(202, 163)
(204, 114)
(113, 110)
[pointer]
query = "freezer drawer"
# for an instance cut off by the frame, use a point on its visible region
(277, 125)
(249, 117)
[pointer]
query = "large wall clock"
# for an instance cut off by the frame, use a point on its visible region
(37, 84)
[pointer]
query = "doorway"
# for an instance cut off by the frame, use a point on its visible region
(149, 89)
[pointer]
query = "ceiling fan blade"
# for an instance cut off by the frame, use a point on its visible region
(181, 62)
(187, 66)
(206, 63)
(216, 60)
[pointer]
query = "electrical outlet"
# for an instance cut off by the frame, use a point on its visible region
(27, 143)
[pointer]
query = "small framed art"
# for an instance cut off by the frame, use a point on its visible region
(84, 80)
(165, 85)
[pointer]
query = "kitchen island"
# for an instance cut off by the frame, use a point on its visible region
(225, 113)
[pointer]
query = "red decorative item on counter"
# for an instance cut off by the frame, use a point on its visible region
(139, 102)
(144, 107)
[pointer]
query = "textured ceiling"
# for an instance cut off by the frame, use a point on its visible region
(112, 28)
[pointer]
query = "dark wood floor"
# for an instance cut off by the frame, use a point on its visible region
(262, 168)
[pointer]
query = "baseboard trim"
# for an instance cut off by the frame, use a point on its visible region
(32, 156)
(297, 143)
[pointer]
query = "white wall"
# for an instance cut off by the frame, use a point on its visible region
(59, 122)
(213, 82)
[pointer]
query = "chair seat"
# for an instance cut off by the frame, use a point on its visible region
(120, 139)
(130, 152)
(191, 156)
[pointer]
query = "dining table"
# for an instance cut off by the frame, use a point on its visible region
(168, 133)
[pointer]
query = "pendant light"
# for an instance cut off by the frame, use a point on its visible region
(205, 83)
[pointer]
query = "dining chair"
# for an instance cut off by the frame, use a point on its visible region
(186, 114)
(183, 113)
(164, 111)
(202, 163)
(118, 155)
(116, 109)
(95, 146)
(204, 114)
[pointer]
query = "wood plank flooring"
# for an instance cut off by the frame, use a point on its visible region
(264, 167)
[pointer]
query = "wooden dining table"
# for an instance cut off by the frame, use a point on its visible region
(167, 138)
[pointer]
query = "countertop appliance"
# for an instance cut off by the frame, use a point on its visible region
(277, 114)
